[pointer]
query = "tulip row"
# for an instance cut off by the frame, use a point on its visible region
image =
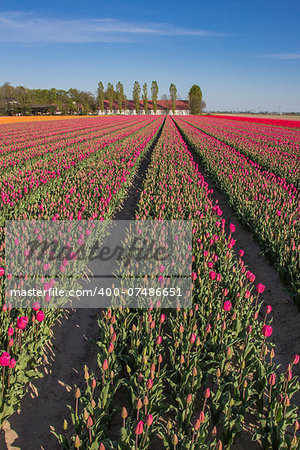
(94, 189)
(20, 136)
(263, 201)
(283, 139)
(12, 158)
(17, 185)
(263, 121)
(283, 159)
(188, 378)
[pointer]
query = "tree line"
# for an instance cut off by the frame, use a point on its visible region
(118, 94)
(22, 100)
(196, 102)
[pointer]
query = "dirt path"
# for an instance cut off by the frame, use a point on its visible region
(73, 346)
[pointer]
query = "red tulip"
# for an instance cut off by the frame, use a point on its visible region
(227, 306)
(5, 359)
(139, 428)
(260, 288)
(267, 330)
(40, 316)
(149, 420)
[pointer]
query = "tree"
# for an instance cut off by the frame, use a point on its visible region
(52, 95)
(136, 96)
(6, 91)
(110, 95)
(154, 92)
(100, 98)
(22, 95)
(195, 99)
(145, 98)
(173, 96)
(120, 94)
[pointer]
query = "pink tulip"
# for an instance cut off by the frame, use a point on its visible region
(227, 306)
(149, 420)
(272, 379)
(268, 309)
(267, 330)
(288, 375)
(111, 348)
(260, 288)
(36, 306)
(105, 365)
(40, 316)
(208, 328)
(149, 384)
(139, 428)
(212, 275)
(22, 322)
(12, 363)
(158, 340)
(5, 359)
(192, 338)
(207, 393)
(201, 417)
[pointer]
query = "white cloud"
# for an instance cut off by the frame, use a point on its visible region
(28, 28)
(281, 56)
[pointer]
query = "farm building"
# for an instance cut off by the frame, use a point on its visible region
(163, 107)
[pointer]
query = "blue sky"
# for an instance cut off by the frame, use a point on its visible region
(245, 55)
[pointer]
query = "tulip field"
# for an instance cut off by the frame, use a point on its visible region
(261, 179)
(201, 377)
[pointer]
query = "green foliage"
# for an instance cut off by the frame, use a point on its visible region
(120, 94)
(21, 100)
(154, 92)
(110, 95)
(195, 99)
(173, 96)
(101, 96)
(136, 95)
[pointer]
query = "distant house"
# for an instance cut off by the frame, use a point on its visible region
(40, 109)
(8, 103)
(163, 107)
(53, 108)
